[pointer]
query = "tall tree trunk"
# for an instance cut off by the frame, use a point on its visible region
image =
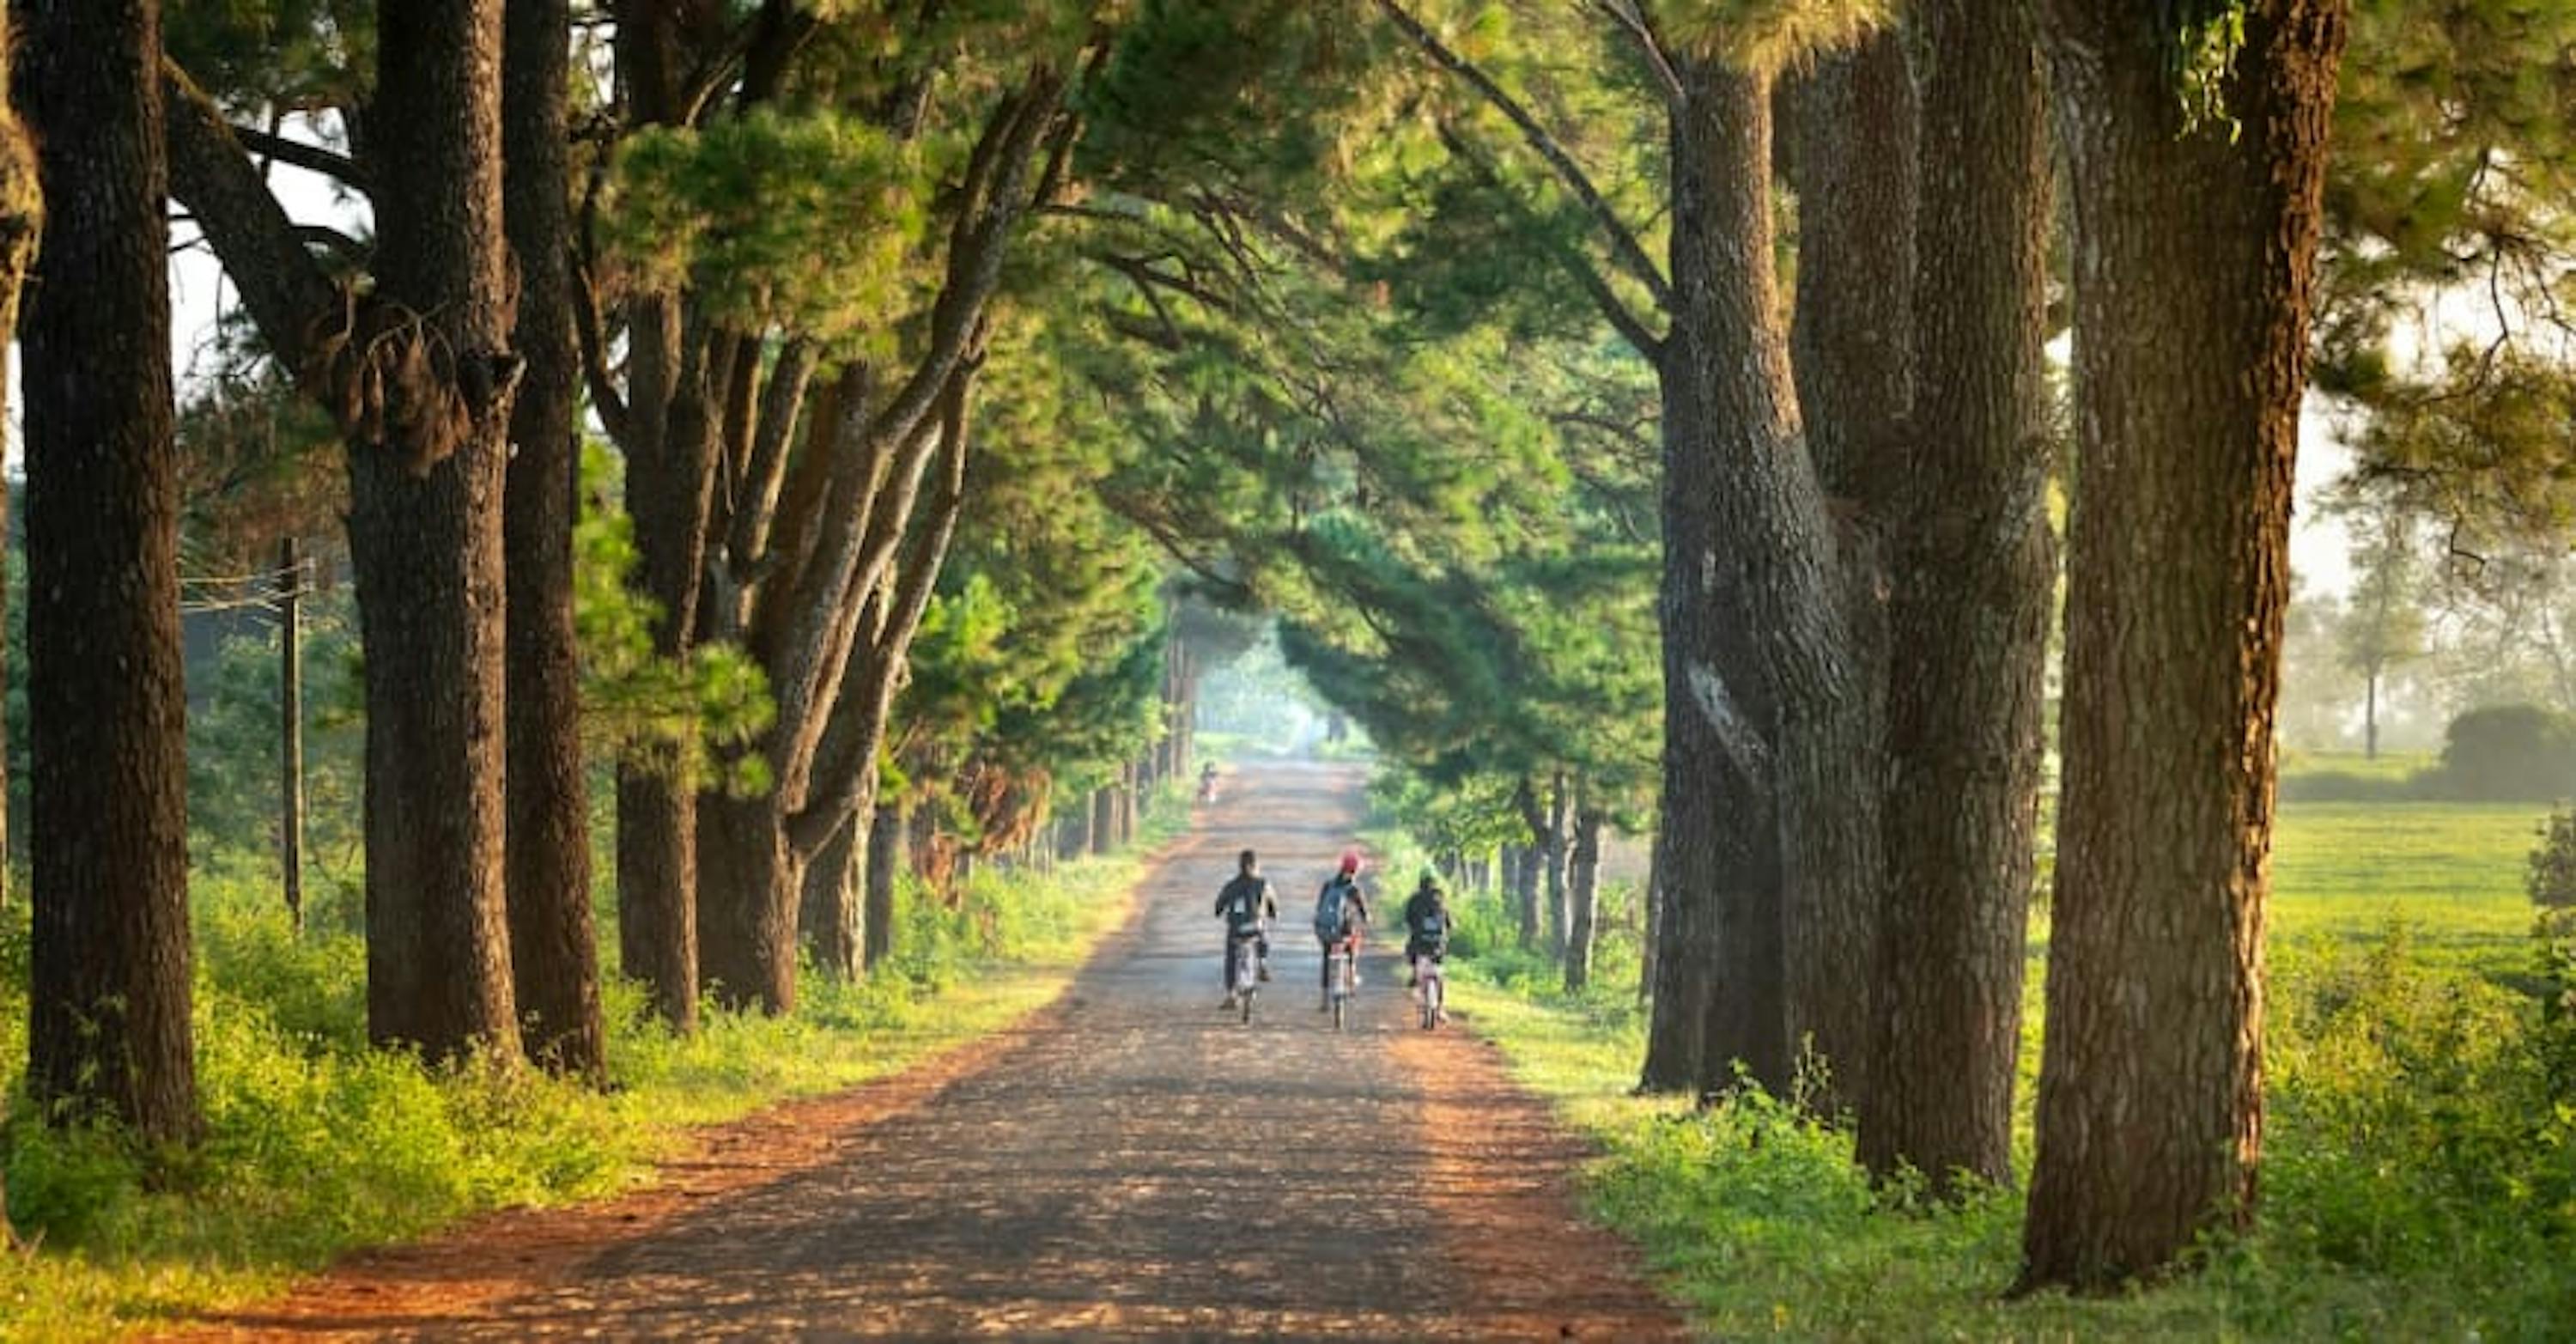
(1970, 613)
(1679, 980)
(856, 736)
(1104, 819)
(1856, 125)
(2194, 255)
(1754, 612)
(1559, 801)
(657, 919)
(425, 488)
(885, 853)
(2370, 719)
(1073, 831)
(290, 736)
(553, 948)
(1130, 797)
(109, 991)
(751, 879)
(668, 443)
(1650, 934)
(833, 920)
(1583, 898)
(1533, 867)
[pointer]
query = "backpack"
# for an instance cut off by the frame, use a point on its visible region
(1332, 913)
(1243, 903)
(1434, 927)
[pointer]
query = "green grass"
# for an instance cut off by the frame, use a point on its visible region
(2451, 872)
(317, 1145)
(2420, 1174)
(2388, 765)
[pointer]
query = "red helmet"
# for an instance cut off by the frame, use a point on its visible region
(1350, 861)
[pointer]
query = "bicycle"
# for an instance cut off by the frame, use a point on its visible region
(1342, 975)
(1433, 991)
(1243, 971)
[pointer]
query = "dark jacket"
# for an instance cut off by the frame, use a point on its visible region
(1426, 908)
(1246, 902)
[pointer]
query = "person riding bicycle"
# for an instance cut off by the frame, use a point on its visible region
(1341, 911)
(1246, 905)
(1207, 782)
(1426, 927)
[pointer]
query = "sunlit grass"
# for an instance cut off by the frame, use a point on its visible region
(2452, 872)
(2419, 1183)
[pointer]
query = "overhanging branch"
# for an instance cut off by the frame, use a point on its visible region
(1624, 247)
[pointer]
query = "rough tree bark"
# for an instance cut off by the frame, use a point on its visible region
(417, 374)
(1752, 613)
(847, 760)
(554, 954)
(2194, 258)
(1969, 613)
(1855, 125)
(425, 487)
(108, 1034)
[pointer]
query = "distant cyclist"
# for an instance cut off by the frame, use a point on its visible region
(1246, 905)
(1426, 926)
(1341, 911)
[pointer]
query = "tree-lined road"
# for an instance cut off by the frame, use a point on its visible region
(1132, 1165)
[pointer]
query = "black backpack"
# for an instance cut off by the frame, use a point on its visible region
(1243, 903)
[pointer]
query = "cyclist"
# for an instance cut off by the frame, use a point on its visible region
(1341, 911)
(1426, 926)
(1246, 905)
(1207, 782)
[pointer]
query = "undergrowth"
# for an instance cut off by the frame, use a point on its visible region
(2419, 1177)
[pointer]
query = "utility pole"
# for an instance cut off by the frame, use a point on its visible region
(290, 792)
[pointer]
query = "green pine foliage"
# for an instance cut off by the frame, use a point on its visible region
(637, 705)
(808, 223)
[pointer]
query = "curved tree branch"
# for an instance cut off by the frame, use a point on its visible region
(1624, 246)
(1631, 327)
(290, 296)
(311, 158)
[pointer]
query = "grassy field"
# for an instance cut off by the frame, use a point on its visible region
(2418, 1179)
(2451, 872)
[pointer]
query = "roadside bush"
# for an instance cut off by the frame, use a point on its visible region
(2509, 753)
(2551, 879)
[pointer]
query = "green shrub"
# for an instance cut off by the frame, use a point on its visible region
(2551, 877)
(2509, 753)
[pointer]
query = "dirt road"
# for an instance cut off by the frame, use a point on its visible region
(1131, 1165)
